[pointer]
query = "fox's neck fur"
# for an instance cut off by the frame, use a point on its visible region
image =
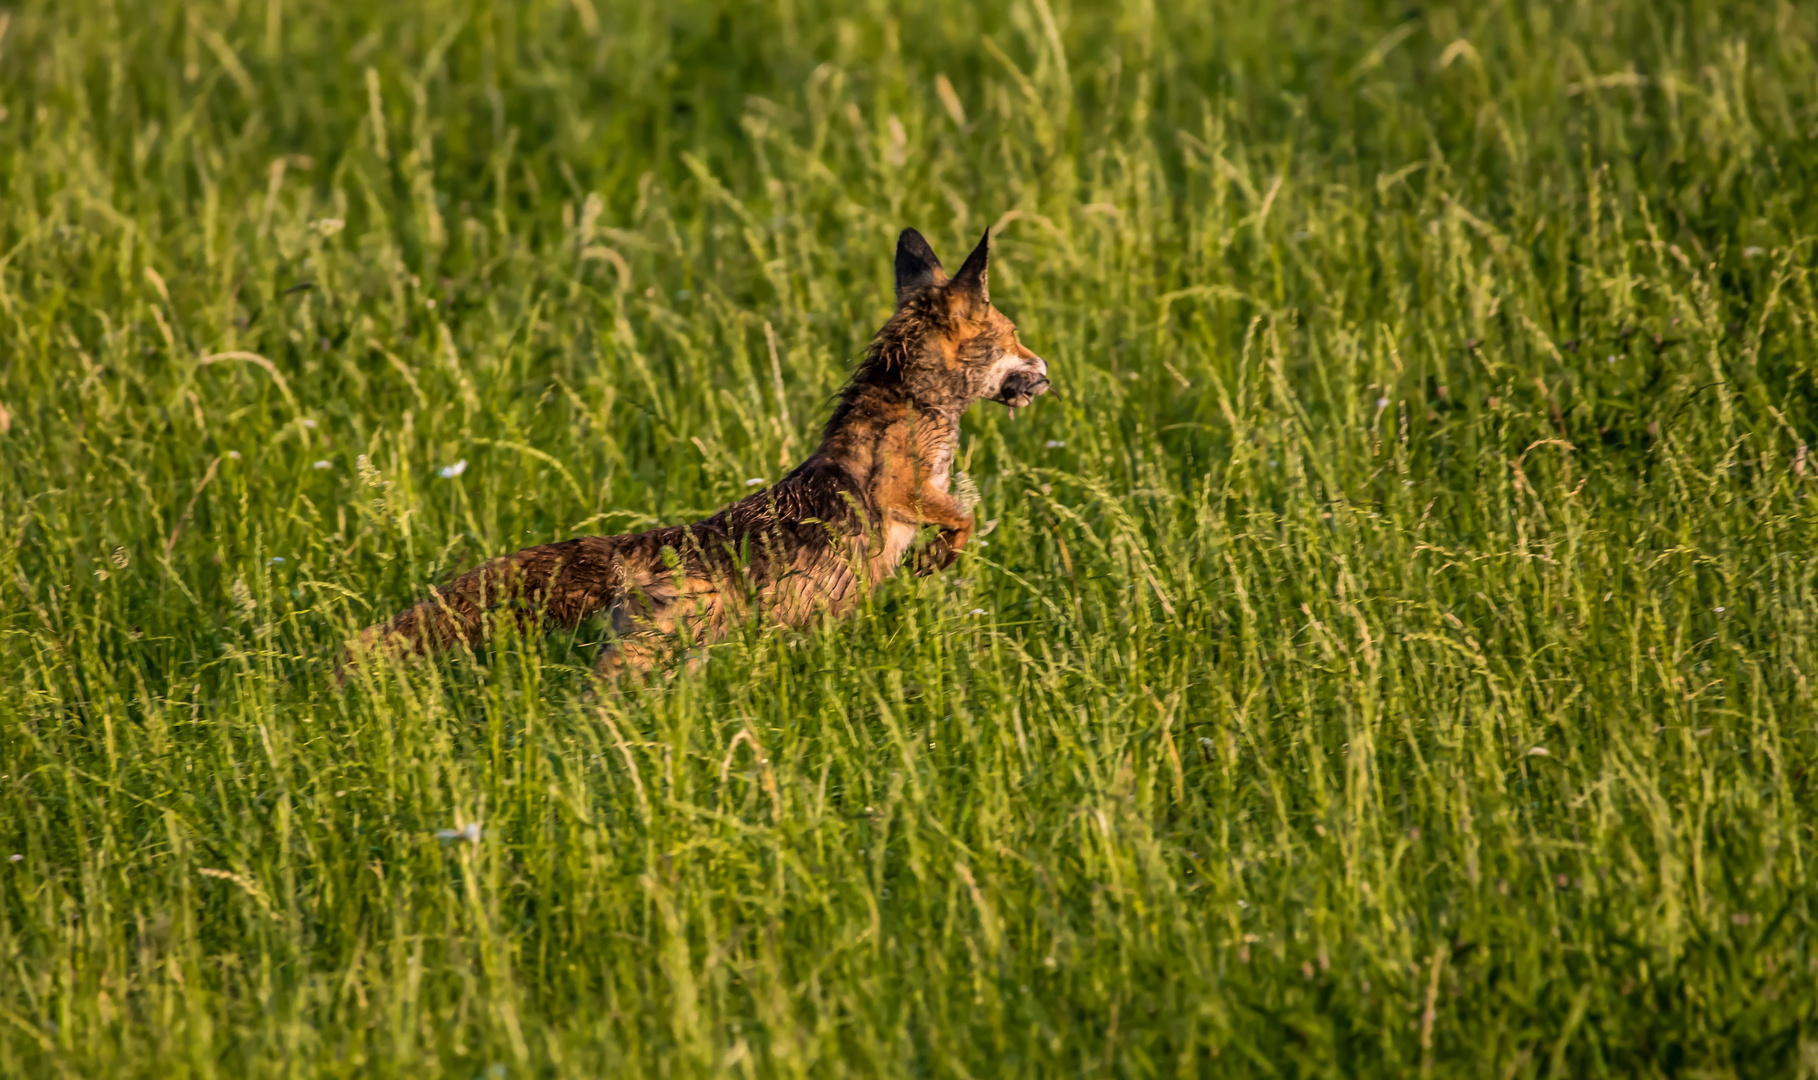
(891, 403)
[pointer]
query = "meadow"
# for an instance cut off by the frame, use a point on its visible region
(1392, 656)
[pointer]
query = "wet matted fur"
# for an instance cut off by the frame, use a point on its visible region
(842, 521)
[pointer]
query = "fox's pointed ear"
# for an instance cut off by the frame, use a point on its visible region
(916, 266)
(973, 280)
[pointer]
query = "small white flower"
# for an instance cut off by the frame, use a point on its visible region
(274, 560)
(471, 833)
(16, 858)
(329, 226)
(1242, 904)
(323, 465)
(449, 472)
(1056, 444)
(976, 611)
(1612, 359)
(310, 424)
(754, 481)
(1718, 610)
(1382, 402)
(233, 455)
(1539, 751)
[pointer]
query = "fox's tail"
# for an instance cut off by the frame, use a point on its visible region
(563, 583)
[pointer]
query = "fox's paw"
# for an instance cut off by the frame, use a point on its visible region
(937, 556)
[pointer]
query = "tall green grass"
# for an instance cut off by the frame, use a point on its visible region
(1393, 655)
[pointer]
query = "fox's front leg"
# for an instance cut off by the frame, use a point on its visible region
(956, 522)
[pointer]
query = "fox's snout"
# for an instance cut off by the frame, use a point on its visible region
(1024, 383)
(1020, 388)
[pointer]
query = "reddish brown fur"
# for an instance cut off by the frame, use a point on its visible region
(843, 520)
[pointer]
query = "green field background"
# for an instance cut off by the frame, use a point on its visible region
(1393, 655)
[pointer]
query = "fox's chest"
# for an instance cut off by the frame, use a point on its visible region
(898, 536)
(933, 468)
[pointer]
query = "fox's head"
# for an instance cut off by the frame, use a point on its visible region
(946, 344)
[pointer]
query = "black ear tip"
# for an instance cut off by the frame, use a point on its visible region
(916, 264)
(973, 273)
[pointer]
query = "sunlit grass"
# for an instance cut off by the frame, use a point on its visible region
(1391, 658)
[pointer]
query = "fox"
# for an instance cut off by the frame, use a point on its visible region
(841, 522)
